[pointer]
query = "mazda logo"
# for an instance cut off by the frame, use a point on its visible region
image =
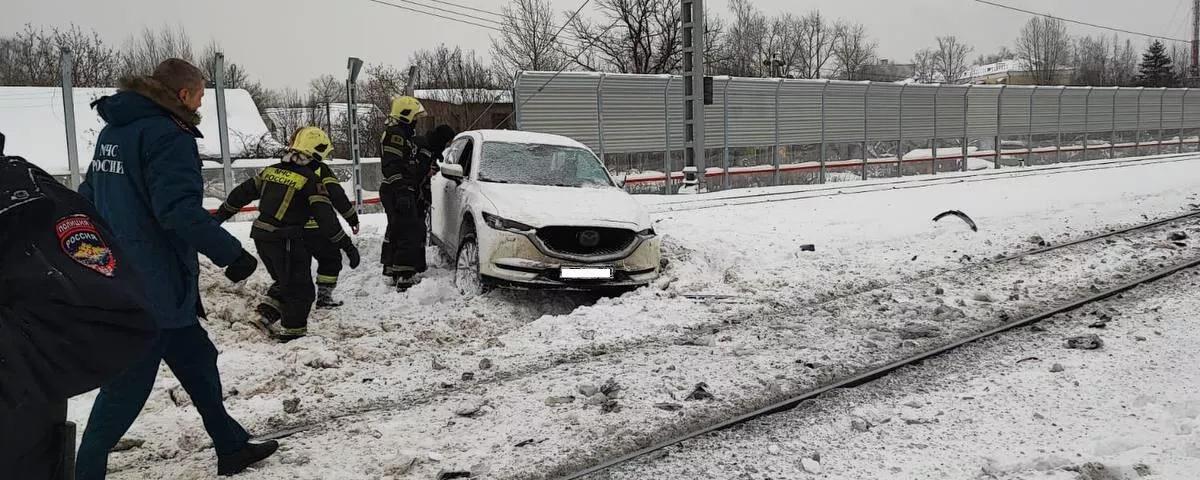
(589, 238)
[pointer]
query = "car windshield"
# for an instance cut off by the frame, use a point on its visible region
(536, 164)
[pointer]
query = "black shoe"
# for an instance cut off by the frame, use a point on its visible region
(269, 312)
(237, 462)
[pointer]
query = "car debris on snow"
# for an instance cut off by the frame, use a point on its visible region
(670, 407)
(556, 401)
(126, 444)
(960, 215)
(291, 405)
(468, 376)
(1085, 342)
(811, 465)
(913, 331)
(485, 364)
(1178, 236)
(808, 247)
(453, 473)
(1057, 368)
(700, 392)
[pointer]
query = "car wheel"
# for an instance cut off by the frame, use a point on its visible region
(466, 272)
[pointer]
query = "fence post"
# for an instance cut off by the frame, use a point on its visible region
(223, 123)
(1112, 139)
(999, 123)
(1058, 136)
(1029, 135)
(933, 150)
(1161, 103)
(517, 101)
(866, 128)
(821, 174)
(600, 118)
(1087, 121)
(725, 183)
(667, 127)
(775, 150)
(1183, 118)
(900, 141)
(67, 62)
(1137, 133)
(353, 66)
(966, 119)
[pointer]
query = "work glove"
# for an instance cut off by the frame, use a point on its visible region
(351, 253)
(222, 216)
(242, 268)
(354, 229)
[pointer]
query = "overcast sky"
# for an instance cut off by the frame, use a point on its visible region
(287, 42)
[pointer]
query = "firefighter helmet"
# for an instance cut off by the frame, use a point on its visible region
(406, 109)
(312, 142)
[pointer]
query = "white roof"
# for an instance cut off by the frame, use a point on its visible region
(459, 96)
(517, 136)
(32, 120)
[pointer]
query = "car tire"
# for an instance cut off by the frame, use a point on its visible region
(466, 267)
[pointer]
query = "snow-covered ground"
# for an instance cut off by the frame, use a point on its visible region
(1018, 406)
(785, 319)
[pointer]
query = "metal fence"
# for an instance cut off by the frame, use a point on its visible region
(783, 131)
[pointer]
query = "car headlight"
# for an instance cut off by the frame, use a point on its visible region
(500, 223)
(647, 233)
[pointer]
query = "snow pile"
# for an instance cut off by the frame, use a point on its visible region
(32, 119)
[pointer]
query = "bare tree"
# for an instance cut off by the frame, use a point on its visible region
(950, 58)
(1044, 47)
(1001, 55)
(1124, 63)
(31, 57)
(527, 40)
(853, 51)
(743, 40)
(645, 37)
(141, 54)
(925, 66)
(814, 37)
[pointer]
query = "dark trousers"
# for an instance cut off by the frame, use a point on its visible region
(32, 444)
(327, 255)
(193, 359)
(404, 241)
(290, 265)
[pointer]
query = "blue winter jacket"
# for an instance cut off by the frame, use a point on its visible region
(145, 181)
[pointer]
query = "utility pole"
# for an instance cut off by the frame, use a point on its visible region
(693, 94)
(1195, 70)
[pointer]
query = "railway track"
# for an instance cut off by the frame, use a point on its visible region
(409, 402)
(693, 204)
(881, 371)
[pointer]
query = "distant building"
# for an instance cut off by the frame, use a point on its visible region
(464, 109)
(1010, 72)
(887, 71)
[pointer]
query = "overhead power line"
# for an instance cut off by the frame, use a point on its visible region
(1080, 22)
(455, 16)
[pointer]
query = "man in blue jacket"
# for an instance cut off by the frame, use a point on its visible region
(145, 181)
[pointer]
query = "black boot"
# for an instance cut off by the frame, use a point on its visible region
(239, 461)
(288, 334)
(325, 297)
(268, 319)
(405, 281)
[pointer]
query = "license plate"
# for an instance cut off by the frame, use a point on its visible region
(578, 273)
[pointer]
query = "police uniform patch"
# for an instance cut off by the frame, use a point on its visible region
(81, 241)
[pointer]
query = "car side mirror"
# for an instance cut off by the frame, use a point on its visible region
(453, 172)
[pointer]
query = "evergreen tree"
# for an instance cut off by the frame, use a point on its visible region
(1156, 67)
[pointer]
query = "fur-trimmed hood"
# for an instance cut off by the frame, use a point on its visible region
(140, 97)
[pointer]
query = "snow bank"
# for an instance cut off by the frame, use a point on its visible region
(32, 120)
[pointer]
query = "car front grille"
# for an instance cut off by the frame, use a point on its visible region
(589, 241)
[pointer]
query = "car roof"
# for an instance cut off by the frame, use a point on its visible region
(515, 136)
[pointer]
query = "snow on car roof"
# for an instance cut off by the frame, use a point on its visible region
(515, 136)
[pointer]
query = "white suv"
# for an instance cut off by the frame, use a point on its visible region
(529, 210)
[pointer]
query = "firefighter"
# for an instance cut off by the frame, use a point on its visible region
(406, 167)
(73, 315)
(328, 255)
(289, 194)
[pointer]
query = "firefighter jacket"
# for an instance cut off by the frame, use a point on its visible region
(337, 195)
(407, 158)
(288, 196)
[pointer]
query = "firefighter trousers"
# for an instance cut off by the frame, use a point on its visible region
(289, 263)
(404, 242)
(327, 255)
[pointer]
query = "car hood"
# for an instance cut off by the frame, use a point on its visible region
(540, 206)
